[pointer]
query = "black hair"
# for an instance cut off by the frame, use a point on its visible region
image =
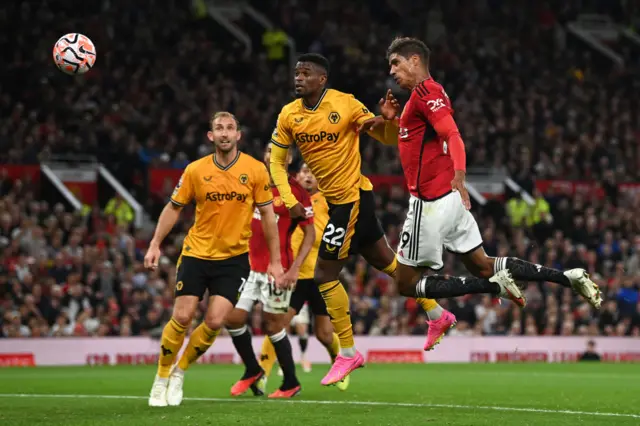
(409, 46)
(315, 58)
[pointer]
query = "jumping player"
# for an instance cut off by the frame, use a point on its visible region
(307, 295)
(433, 157)
(275, 300)
(226, 186)
(324, 124)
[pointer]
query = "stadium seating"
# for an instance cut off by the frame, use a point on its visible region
(552, 117)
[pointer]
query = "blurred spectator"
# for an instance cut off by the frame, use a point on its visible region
(590, 354)
(529, 103)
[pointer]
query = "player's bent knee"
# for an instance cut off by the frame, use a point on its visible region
(273, 323)
(236, 319)
(183, 314)
(214, 322)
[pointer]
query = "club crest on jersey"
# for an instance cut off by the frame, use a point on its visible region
(403, 133)
(298, 120)
(179, 285)
(207, 178)
(244, 179)
(277, 201)
(334, 117)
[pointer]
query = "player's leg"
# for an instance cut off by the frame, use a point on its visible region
(479, 264)
(382, 257)
(375, 249)
(189, 289)
(276, 315)
(199, 342)
(421, 244)
(224, 279)
(336, 245)
(465, 240)
(300, 323)
(241, 336)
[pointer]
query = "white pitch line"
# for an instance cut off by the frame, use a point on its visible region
(326, 402)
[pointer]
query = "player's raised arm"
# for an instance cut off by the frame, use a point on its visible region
(182, 195)
(281, 141)
(437, 112)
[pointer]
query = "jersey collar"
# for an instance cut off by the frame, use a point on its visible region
(315, 107)
(223, 168)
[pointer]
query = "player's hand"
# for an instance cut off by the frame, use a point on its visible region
(370, 124)
(389, 106)
(289, 279)
(152, 257)
(297, 212)
(457, 185)
(275, 271)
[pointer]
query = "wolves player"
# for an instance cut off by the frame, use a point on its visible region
(433, 158)
(275, 300)
(226, 186)
(307, 295)
(324, 124)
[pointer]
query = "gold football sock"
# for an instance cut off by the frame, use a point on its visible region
(391, 268)
(201, 339)
(427, 304)
(170, 344)
(334, 348)
(267, 356)
(337, 301)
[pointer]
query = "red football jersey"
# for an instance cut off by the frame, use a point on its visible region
(427, 164)
(258, 248)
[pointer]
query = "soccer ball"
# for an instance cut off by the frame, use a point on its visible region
(74, 54)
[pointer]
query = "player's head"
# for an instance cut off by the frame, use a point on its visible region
(224, 132)
(409, 61)
(267, 155)
(307, 179)
(311, 74)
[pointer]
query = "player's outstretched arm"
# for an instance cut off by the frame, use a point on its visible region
(166, 221)
(270, 229)
(384, 128)
(385, 131)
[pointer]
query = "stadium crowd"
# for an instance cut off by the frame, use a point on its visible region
(529, 101)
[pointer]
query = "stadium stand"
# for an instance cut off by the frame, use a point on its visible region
(531, 101)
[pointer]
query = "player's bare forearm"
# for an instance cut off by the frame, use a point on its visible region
(387, 133)
(308, 239)
(278, 168)
(166, 221)
(270, 229)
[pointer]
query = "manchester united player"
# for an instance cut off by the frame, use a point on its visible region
(433, 157)
(275, 300)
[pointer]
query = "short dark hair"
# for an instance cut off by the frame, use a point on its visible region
(315, 58)
(408, 46)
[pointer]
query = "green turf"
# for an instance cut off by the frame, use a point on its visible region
(485, 394)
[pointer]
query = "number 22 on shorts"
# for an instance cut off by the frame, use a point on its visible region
(333, 236)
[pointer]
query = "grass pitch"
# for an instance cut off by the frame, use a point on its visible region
(437, 394)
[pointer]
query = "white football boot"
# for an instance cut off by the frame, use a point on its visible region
(583, 285)
(158, 395)
(508, 288)
(174, 390)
